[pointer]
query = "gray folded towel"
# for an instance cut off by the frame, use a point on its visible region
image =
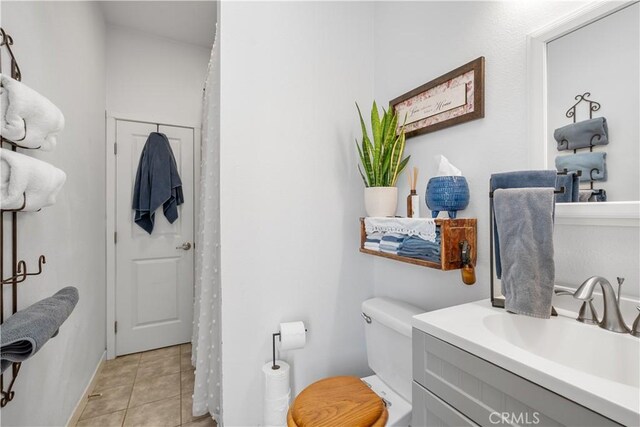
(571, 183)
(525, 223)
(592, 165)
(25, 332)
(582, 134)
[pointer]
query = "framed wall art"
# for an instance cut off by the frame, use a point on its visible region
(453, 98)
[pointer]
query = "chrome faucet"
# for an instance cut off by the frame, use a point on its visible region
(612, 318)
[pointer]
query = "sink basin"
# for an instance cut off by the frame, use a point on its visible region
(588, 348)
(589, 365)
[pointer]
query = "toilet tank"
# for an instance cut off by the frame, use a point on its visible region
(388, 339)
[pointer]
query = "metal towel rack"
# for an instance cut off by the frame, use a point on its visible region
(571, 114)
(499, 302)
(19, 271)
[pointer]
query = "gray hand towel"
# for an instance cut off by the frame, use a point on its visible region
(592, 165)
(571, 183)
(525, 222)
(517, 179)
(582, 134)
(157, 183)
(25, 332)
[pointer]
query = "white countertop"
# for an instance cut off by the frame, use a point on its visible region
(596, 368)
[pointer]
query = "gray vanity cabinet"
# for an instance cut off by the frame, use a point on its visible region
(455, 388)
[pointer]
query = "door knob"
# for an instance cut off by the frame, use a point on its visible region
(185, 246)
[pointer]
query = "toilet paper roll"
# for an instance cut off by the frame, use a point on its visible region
(292, 335)
(276, 381)
(275, 411)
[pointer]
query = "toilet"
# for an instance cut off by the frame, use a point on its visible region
(383, 399)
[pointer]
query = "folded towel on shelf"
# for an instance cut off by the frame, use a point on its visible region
(391, 242)
(393, 237)
(28, 119)
(27, 181)
(372, 246)
(582, 134)
(390, 245)
(374, 237)
(524, 218)
(424, 228)
(593, 196)
(518, 179)
(25, 332)
(414, 247)
(157, 183)
(593, 165)
(571, 183)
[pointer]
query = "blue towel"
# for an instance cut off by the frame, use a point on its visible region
(417, 243)
(592, 165)
(393, 237)
(582, 134)
(391, 242)
(519, 179)
(571, 183)
(157, 183)
(415, 247)
(25, 332)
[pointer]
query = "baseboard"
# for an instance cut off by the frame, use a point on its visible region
(75, 415)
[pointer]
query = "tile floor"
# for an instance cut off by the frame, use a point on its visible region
(152, 388)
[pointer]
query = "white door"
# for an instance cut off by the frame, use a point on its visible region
(154, 273)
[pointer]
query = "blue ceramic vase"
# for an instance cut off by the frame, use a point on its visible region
(447, 193)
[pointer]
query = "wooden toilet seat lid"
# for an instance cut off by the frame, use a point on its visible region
(337, 401)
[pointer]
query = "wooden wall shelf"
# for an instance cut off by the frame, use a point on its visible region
(452, 232)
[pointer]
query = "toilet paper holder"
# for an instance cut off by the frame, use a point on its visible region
(273, 348)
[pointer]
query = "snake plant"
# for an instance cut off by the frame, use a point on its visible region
(381, 155)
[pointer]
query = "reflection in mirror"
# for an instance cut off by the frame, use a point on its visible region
(599, 62)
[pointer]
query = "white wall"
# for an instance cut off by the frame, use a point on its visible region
(154, 78)
(613, 79)
(416, 42)
(291, 196)
(70, 70)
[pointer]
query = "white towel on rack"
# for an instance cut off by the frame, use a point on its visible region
(28, 181)
(28, 119)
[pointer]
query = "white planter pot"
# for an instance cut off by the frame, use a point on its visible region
(381, 201)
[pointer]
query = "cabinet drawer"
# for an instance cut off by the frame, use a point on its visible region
(488, 394)
(429, 410)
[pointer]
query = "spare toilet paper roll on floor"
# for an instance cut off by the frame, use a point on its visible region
(292, 335)
(276, 381)
(277, 394)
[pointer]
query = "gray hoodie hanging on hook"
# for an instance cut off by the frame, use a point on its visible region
(157, 183)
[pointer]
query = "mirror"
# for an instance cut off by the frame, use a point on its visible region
(600, 59)
(584, 86)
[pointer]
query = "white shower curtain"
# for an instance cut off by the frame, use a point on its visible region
(206, 340)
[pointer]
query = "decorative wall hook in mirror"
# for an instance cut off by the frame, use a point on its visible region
(561, 68)
(593, 106)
